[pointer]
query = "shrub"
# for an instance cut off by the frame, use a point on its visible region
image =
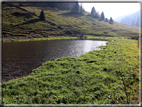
(136, 37)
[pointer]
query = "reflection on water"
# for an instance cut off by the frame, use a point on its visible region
(89, 45)
(19, 58)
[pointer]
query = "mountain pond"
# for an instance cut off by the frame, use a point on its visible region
(20, 58)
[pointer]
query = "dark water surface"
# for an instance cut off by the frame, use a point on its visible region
(20, 58)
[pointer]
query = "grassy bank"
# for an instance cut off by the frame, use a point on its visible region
(37, 39)
(109, 75)
(59, 38)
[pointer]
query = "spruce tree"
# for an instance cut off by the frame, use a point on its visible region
(93, 11)
(82, 10)
(106, 20)
(75, 8)
(111, 21)
(102, 16)
(42, 17)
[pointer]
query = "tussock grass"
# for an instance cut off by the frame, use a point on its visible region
(96, 77)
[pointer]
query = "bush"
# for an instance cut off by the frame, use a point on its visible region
(136, 37)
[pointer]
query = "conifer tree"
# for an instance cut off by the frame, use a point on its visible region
(82, 10)
(42, 17)
(102, 16)
(75, 8)
(93, 11)
(111, 21)
(106, 20)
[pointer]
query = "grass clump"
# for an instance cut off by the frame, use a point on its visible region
(106, 76)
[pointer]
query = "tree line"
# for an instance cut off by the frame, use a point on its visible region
(75, 7)
(101, 17)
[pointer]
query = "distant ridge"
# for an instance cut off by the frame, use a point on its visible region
(130, 19)
(118, 19)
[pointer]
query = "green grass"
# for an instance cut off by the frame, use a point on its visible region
(32, 27)
(37, 39)
(59, 38)
(90, 78)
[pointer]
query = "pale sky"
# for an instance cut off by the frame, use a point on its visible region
(113, 9)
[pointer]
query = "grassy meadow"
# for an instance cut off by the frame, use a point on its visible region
(106, 76)
(58, 22)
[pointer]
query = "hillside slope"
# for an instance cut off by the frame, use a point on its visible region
(16, 22)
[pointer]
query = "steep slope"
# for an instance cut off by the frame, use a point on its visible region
(16, 22)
